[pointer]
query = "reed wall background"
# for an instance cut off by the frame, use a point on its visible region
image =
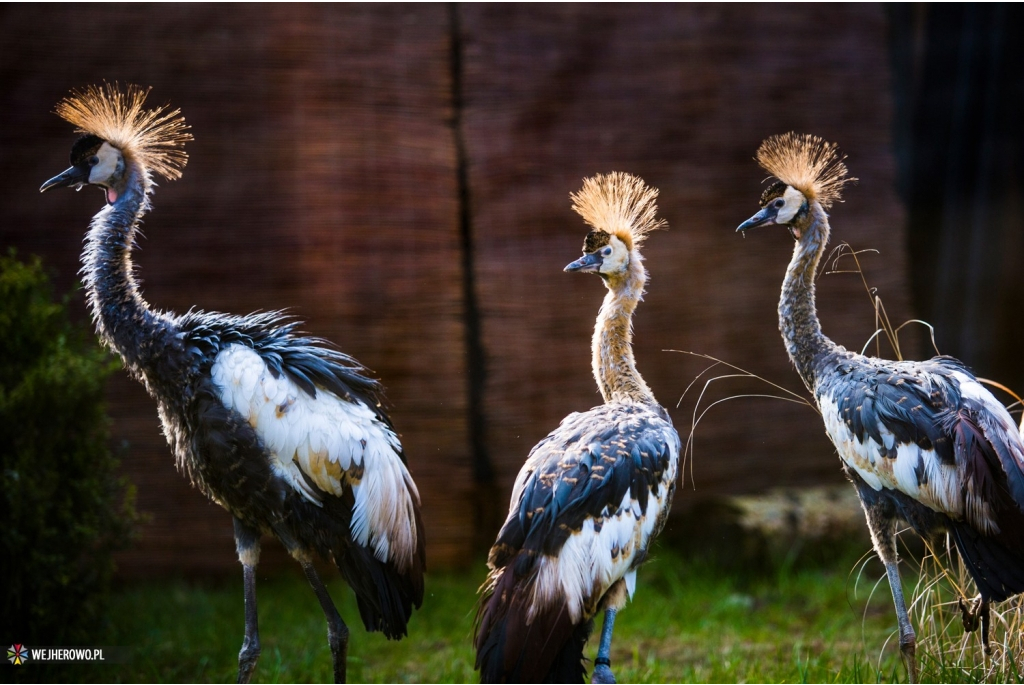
(398, 177)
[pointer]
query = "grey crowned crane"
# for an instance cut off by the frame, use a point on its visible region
(594, 493)
(922, 441)
(286, 433)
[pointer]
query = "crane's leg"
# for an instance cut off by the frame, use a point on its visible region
(908, 639)
(612, 601)
(603, 663)
(247, 541)
(882, 524)
(983, 608)
(337, 631)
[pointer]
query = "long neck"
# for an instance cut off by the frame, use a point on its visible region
(798, 316)
(614, 366)
(123, 319)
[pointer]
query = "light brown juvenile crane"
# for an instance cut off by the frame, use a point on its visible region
(593, 494)
(286, 433)
(922, 441)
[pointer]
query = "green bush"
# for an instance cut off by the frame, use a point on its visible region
(64, 508)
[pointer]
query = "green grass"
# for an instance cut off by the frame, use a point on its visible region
(689, 622)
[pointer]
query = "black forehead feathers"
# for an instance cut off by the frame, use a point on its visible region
(773, 191)
(595, 240)
(84, 146)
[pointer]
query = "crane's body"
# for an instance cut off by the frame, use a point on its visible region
(594, 493)
(930, 431)
(585, 508)
(921, 441)
(286, 433)
(927, 441)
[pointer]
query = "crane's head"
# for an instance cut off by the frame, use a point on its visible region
(118, 132)
(603, 253)
(622, 211)
(808, 170)
(95, 162)
(781, 205)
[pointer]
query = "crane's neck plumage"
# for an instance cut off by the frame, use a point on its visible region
(798, 316)
(123, 319)
(614, 366)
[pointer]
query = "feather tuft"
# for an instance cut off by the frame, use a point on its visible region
(619, 204)
(807, 163)
(155, 138)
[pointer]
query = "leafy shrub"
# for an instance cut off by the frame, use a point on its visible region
(63, 510)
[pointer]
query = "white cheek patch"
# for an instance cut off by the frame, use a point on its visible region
(615, 262)
(109, 160)
(794, 200)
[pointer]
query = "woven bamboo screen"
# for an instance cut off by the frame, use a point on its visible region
(346, 156)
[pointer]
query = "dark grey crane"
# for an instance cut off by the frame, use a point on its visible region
(921, 441)
(593, 494)
(286, 433)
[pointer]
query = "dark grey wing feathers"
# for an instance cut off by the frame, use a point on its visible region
(584, 470)
(928, 404)
(307, 360)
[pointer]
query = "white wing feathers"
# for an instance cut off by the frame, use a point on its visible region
(596, 557)
(324, 444)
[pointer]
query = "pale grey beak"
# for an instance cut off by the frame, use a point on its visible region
(766, 217)
(587, 264)
(70, 177)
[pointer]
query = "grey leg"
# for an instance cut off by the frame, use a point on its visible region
(337, 631)
(602, 664)
(247, 541)
(882, 525)
(908, 639)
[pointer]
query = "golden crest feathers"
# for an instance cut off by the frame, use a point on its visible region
(153, 137)
(619, 204)
(806, 162)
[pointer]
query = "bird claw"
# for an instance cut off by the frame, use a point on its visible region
(970, 615)
(602, 674)
(976, 615)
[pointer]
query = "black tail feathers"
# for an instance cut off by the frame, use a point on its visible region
(385, 596)
(995, 562)
(513, 649)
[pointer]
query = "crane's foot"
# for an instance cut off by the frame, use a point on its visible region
(974, 615)
(969, 614)
(602, 672)
(247, 659)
